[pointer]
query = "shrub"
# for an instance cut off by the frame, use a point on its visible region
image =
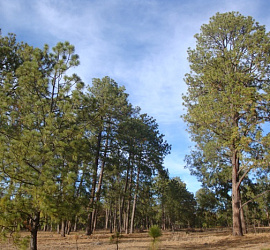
(155, 232)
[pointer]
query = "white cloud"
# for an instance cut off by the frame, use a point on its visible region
(140, 44)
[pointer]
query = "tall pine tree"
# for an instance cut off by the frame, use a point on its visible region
(227, 97)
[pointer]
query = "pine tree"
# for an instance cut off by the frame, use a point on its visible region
(38, 125)
(228, 98)
(110, 108)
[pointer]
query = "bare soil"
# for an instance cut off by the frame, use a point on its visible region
(177, 240)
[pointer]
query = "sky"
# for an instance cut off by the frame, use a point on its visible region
(141, 44)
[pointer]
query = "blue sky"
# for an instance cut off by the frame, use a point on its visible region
(141, 44)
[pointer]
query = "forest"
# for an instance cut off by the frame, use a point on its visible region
(78, 156)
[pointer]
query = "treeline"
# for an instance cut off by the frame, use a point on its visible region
(76, 157)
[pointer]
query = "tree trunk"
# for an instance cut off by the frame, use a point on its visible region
(107, 218)
(127, 217)
(34, 224)
(115, 218)
(124, 221)
(134, 203)
(244, 228)
(63, 228)
(98, 192)
(133, 214)
(163, 216)
(68, 227)
(111, 219)
(45, 226)
(89, 226)
(267, 215)
(173, 227)
(75, 224)
(237, 225)
(123, 198)
(129, 196)
(119, 226)
(94, 218)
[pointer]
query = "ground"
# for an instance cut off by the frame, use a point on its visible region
(218, 239)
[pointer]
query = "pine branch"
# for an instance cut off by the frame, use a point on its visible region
(17, 179)
(259, 195)
(30, 165)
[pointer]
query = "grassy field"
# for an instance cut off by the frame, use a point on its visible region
(178, 240)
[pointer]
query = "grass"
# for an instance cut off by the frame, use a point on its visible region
(178, 240)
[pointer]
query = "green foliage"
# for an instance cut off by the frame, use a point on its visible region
(155, 232)
(177, 203)
(224, 94)
(67, 153)
(15, 238)
(208, 206)
(21, 242)
(38, 123)
(228, 88)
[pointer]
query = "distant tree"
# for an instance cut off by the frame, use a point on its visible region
(150, 150)
(255, 202)
(160, 183)
(137, 155)
(227, 100)
(178, 204)
(207, 206)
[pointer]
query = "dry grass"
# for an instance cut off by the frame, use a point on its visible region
(178, 240)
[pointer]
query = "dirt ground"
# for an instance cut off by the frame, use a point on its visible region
(177, 240)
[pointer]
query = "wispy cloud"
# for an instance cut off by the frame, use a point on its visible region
(140, 44)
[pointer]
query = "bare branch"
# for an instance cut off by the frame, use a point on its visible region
(243, 176)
